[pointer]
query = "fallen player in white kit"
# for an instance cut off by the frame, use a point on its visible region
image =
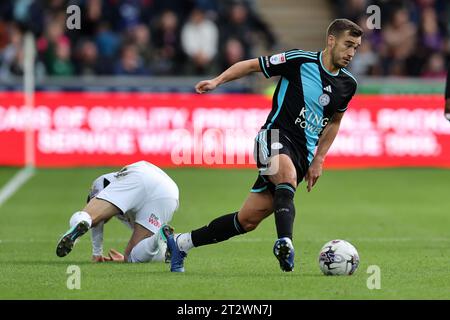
(143, 197)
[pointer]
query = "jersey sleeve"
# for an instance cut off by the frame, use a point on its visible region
(344, 106)
(279, 64)
(98, 185)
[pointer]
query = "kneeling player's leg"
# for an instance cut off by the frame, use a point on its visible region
(143, 245)
(146, 243)
(96, 211)
(100, 210)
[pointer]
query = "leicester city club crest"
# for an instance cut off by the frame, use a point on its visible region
(324, 99)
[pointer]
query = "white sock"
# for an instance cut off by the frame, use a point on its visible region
(79, 216)
(184, 241)
(146, 250)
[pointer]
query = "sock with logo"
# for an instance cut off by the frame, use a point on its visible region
(284, 210)
(220, 229)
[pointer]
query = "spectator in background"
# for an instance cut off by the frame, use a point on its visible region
(88, 61)
(55, 48)
(29, 14)
(61, 65)
(429, 41)
(199, 39)
(399, 40)
(412, 31)
(439, 6)
(140, 36)
(241, 21)
(236, 25)
(107, 41)
(11, 56)
(128, 14)
(366, 62)
(260, 27)
(435, 66)
(110, 23)
(429, 33)
(4, 37)
(91, 15)
(350, 9)
(168, 53)
(55, 6)
(181, 8)
(130, 62)
(210, 7)
(233, 53)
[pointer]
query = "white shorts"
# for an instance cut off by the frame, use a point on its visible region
(140, 198)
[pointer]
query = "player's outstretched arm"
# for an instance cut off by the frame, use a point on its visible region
(97, 243)
(325, 141)
(236, 71)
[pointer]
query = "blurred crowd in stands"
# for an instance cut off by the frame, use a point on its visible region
(197, 37)
(132, 37)
(413, 39)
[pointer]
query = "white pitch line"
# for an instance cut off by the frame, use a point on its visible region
(11, 187)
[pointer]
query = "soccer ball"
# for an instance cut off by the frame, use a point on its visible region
(338, 257)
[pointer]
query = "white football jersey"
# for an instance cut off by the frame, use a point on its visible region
(142, 191)
(157, 181)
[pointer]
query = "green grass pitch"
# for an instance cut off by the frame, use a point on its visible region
(399, 220)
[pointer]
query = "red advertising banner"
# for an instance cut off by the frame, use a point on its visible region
(113, 129)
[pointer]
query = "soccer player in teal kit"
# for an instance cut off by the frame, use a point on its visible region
(309, 102)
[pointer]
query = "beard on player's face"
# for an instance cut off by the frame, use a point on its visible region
(338, 57)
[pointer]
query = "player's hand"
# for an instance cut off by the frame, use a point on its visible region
(116, 256)
(100, 259)
(313, 174)
(205, 86)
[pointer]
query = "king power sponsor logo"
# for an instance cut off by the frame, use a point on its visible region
(311, 121)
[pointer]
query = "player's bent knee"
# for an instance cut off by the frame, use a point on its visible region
(249, 224)
(286, 177)
(291, 181)
(100, 210)
(96, 220)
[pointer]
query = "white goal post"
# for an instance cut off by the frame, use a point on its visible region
(23, 175)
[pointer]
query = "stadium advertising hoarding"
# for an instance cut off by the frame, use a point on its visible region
(110, 129)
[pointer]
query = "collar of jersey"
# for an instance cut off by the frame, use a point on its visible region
(323, 67)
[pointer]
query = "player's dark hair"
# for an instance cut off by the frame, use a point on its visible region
(338, 26)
